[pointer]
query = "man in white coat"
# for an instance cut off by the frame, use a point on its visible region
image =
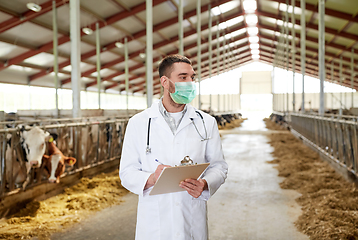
(161, 136)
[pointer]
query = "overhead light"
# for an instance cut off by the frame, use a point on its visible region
(255, 52)
(119, 44)
(251, 19)
(216, 11)
(223, 25)
(250, 6)
(252, 30)
(254, 39)
(87, 30)
(142, 55)
(228, 36)
(34, 7)
(256, 56)
(254, 46)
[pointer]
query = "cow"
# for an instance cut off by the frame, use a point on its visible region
(54, 163)
(220, 120)
(28, 151)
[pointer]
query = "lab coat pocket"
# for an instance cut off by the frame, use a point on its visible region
(148, 223)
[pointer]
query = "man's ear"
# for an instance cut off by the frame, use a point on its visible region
(165, 82)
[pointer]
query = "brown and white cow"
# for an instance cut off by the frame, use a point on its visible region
(28, 152)
(56, 162)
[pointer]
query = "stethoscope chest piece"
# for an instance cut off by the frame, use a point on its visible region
(148, 150)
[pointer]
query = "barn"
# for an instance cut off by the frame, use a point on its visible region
(253, 105)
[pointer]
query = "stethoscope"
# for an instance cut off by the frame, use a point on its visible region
(149, 150)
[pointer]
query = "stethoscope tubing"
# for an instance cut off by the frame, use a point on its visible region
(148, 149)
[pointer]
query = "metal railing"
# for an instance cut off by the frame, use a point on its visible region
(335, 137)
(90, 142)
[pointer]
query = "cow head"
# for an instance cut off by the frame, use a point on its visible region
(55, 166)
(33, 142)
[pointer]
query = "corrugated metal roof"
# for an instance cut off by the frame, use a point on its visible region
(26, 51)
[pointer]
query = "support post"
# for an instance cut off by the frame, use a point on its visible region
(224, 51)
(181, 29)
(340, 83)
(303, 50)
(218, 102)
(332, 72)
(149, 52)
(217, 48)
(75, 57)
(321, 54)
(198, 32)
(287, 56)
(293, 55)
(98, 58)
(210, 42)
(126, 71)
(55, 52)
(352, 76)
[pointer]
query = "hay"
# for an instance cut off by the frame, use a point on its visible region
(329, 203)
(41, 219)
(233, 124)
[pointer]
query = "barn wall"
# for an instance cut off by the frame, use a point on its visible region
(256, 82)
(219, 102)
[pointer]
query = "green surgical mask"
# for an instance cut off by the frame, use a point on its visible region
(184, 93)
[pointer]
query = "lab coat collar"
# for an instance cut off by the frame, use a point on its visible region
(190, 113)
(153, 112)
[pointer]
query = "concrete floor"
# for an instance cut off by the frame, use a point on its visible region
(250, 205)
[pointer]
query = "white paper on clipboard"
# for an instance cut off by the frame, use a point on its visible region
(171, 177)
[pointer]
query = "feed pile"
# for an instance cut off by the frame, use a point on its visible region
(233, 124)
(329, 203)
(41, 218)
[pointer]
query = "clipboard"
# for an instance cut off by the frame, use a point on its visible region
(171, 177)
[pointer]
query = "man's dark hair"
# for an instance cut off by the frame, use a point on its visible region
(166, 65)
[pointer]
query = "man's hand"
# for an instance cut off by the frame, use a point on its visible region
(154, 176)
(194, 187)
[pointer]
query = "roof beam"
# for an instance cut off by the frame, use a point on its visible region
(47, 46)
(135, 36)
(314, 66)
(158, 45)
(29, 15)
(330, 12)
(314, 73)
(186, 48)
(349, 36)
(298, 45)
(312, 39)
(135, 54)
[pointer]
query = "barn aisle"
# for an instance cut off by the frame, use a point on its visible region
(251, 204)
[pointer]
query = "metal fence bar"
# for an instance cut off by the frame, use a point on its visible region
(341, 141)
(336, 137)
(2, 155)
(348, 142)
(355, 147)
(74, 140)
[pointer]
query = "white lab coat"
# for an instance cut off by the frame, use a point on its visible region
(173, 215)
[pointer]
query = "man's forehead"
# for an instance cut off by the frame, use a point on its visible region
(181, 67)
